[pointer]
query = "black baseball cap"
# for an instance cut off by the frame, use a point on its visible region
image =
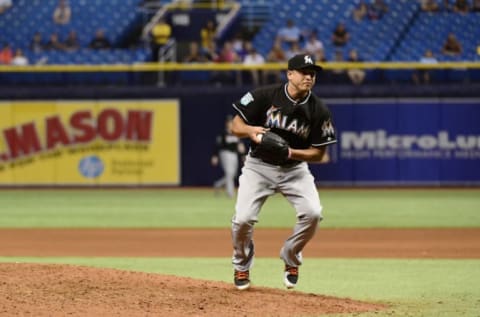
(302, 61)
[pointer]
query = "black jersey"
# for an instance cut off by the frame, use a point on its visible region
(301, 123)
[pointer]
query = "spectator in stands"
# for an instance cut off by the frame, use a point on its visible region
(340, 35)
(356, 75)
(313, 46)
(100, 41)
(62, 13)
(452, 46)
(293, 50)
(6, 54)
(37, 45)
(429, 5)
(377, 9)
(19, 59)
(289, 34)
(207, 34)
(4, 5)
(320, 57)
(238, 44)
(160, 35)
(461, 6)
(275, 55)
(476, 6)
(423, 75)
(71, 42)
(253, 58)
(54, 43)
(226, 55)
(194, 54)
(243, 51)
(360, 11)
(211, 52)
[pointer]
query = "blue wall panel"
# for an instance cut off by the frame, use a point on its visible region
(411, 142)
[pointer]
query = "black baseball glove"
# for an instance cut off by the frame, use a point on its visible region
(272, 149)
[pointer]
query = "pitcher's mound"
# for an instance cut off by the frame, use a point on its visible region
(66, 290)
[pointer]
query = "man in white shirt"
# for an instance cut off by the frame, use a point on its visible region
(19, 59)
(290, 33)
(313, 45)
(253, 58)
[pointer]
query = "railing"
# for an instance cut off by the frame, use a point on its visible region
(166, 54)
(178, 4)
(154, 20)
(173, 66)
(227, 20)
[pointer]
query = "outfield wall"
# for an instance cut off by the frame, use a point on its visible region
(389, 141)
(404, 142)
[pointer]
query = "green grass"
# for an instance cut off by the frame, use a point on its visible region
(427, 288)
(169, 208)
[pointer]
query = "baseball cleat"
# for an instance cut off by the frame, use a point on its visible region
(291, 276)
(242, 280)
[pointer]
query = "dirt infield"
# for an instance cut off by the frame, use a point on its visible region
(59, 290)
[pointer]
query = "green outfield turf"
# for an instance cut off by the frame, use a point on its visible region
(200, 208)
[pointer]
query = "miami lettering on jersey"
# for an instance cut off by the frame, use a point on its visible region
(275, 119)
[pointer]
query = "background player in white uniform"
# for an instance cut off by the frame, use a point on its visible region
(295, 113)
(228, 151)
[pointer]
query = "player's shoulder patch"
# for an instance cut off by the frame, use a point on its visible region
(328, 130)
(246, 99)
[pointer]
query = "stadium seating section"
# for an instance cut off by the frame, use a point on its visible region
(403, 34)
(115, 17)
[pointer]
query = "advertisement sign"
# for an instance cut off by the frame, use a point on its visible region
(405, 142)
(133, 142)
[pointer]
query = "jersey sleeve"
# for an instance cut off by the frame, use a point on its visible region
(251, 107)
(323, 130)
(218, 145)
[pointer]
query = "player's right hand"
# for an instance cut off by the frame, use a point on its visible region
(255, 131)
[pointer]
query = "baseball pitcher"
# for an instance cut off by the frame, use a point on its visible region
(288, 126)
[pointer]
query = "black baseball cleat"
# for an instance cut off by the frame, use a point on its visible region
(291, 276)
(242, 280)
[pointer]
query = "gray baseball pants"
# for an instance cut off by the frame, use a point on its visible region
(257, 182)
(229, 163)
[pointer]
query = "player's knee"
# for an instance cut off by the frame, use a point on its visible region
(314, 214)
(243, 220)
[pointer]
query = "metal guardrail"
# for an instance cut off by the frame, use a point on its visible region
(171, 66)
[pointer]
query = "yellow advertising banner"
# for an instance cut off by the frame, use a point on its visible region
(95, 142)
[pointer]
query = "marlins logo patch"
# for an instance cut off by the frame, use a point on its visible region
(246, 99)
(327, 129)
